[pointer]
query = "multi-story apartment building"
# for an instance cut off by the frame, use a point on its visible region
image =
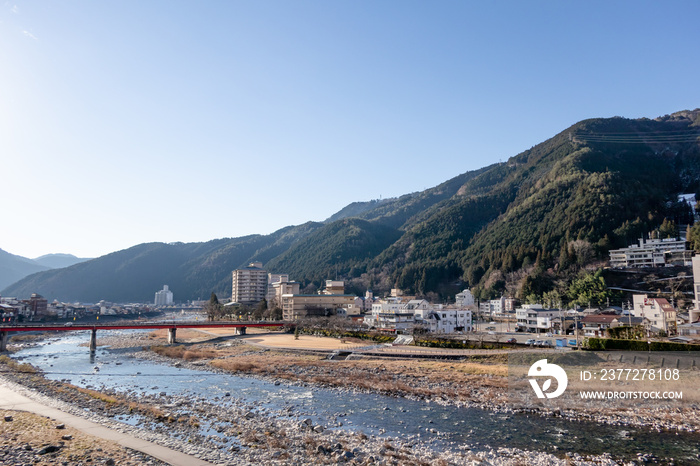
(249, 284)
(390, 314)
(163, 297)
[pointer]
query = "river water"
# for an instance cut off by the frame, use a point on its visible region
(63, 359)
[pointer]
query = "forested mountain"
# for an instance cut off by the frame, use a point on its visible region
(518, 227)
(191, 270)
(345, 246)
(563, 204)
(13, 267)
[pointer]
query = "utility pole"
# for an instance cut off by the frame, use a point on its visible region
(576, 325)
(629, 313)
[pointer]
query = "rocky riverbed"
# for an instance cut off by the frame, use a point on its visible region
(227, 430)
(248, 433)
(479, 384)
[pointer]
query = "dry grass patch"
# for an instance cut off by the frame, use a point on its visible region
(40, 431)
(15, 366)
(237, 366)
(183, 334)
(97, 395)
(185, 353)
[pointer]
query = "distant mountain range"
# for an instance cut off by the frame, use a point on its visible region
(513, 227)
(13, 267)
(58, 261)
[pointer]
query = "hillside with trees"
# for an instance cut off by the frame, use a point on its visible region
(529, 227)
(554, 209)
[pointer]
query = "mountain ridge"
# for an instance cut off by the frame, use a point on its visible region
(514, 227)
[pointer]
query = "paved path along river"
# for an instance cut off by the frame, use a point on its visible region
(11, 400)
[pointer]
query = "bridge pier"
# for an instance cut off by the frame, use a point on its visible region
(171, 335)
(3, 341)
(93, 340)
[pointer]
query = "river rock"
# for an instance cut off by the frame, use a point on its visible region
(49, 449)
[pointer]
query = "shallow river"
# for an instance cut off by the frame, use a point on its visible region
(63, 359)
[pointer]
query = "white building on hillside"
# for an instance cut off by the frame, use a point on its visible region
(464, 299)
(652, 253)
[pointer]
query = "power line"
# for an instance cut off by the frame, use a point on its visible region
(640, 138)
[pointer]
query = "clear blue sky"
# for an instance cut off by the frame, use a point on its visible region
(134, 121)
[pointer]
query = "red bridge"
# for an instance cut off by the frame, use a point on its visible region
(171, 326)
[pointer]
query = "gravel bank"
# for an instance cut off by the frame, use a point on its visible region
(248, 433)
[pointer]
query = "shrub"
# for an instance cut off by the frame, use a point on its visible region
(601, 344)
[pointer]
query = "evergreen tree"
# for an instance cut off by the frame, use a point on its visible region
(589, 289)
(260, 309)
(213, 308)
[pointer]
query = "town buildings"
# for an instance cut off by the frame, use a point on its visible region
(396, 315)
(438, 319)
(37, 308)
(501, 308)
